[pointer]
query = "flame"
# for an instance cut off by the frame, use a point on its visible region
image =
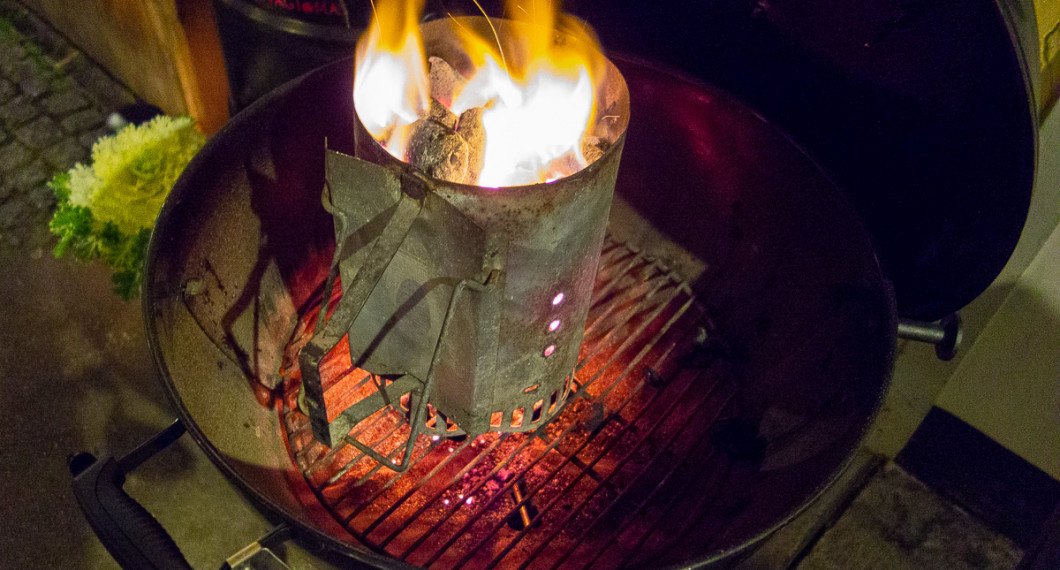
(391, 90)
(537, 84)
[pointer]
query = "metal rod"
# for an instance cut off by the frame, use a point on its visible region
(518, 492)
(638, 309)
(632, 313)
(647, 500)
(458, 476)
(613, 441)
(644, 437)
(553, 445)
(946, 334)
(527, 440)
(360, 454)
(459, 449)
(149, 448)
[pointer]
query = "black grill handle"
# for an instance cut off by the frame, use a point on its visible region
(132, 536)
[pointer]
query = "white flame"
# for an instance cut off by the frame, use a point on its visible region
(534, 130)
(535, 113)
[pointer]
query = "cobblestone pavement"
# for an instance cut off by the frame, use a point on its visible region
(53, 104)
(75, 369)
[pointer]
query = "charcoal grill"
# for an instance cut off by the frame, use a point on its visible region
(739, 338)
(686, 435)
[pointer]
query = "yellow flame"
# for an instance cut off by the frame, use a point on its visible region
(537, 84)
(391, 89)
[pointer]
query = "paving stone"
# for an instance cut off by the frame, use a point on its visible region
(896, 522)
(45, 37)
(12, 213)
(65, 101)
(18, 111)
(7, 90)
(35, 86)
(39, 134)
(19, 71)
(107, 92)
(12, 50)
(13, 155)
(42, 198)
(89, 139)
(29, 176)
(64, 154)
(82, 121)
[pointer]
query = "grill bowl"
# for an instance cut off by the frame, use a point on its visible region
(766, 243)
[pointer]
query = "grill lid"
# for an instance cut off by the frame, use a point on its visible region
(923, 111)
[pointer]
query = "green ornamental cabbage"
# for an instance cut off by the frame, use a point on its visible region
(106, 211)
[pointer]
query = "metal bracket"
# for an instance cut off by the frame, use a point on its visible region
(330, 331)
(405, 384)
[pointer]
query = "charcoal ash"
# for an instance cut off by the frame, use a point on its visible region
(445, 81)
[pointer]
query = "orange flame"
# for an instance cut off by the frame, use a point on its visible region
(391, 91)
(536, 79)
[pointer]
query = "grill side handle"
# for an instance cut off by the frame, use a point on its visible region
(132, 536)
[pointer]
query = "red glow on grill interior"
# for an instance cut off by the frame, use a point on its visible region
(614, 436)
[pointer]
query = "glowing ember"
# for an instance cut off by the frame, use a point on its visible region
(535, 83)
(557, 299)
(554, 325)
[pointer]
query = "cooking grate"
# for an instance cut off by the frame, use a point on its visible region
(612, 481)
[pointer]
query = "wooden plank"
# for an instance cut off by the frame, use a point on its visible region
(168, 57)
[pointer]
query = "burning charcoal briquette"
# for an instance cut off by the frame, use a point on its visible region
(446, 82)
(440, 114)
(438, 151)
(474, 134)
(593, 148)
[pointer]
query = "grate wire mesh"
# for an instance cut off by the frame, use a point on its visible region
(598, 484)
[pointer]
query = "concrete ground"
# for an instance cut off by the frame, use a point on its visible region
(75, 375)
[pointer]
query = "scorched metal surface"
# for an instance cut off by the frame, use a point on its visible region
(471, 299)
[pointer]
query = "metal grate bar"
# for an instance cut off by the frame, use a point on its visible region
(613, 441)
(503, 492)
(394, 478)
(438, 494)
(629, 340)
(648, 500)
(589, 458)
(551, 447)
(622, 494)
(612, 281)
(329, 457)
(360, 454)
(643, 438)
(423, 481)
(474, 490)
(670, 504)
(701, 503)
